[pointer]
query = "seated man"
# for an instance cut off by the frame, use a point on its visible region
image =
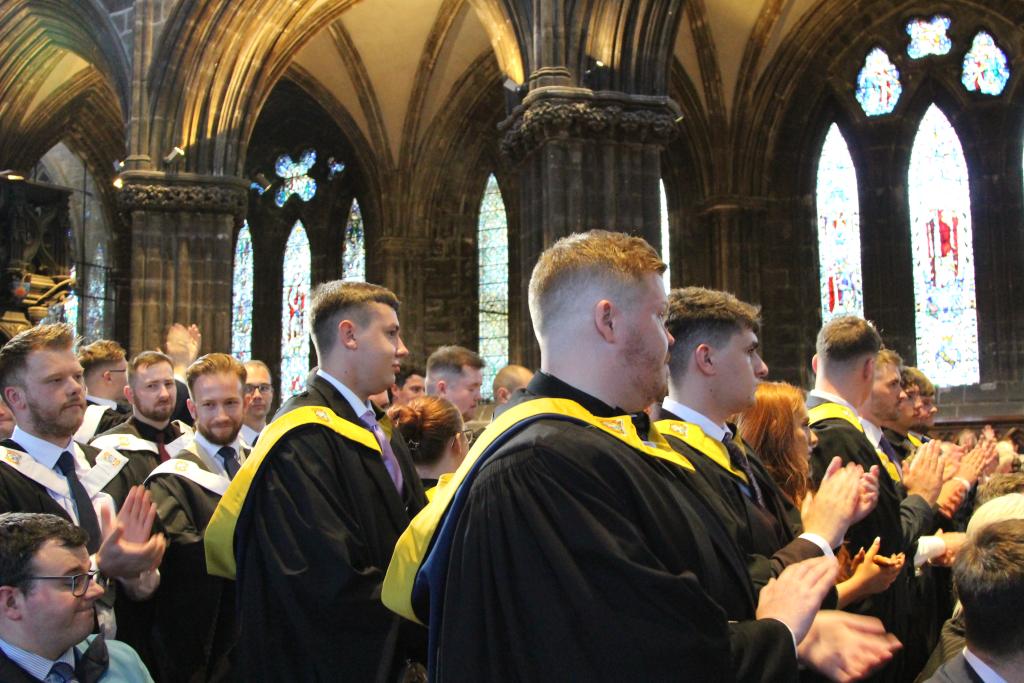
(47, 607)
(989, 578)
(105, 372)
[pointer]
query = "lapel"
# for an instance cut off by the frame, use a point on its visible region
(373, 464)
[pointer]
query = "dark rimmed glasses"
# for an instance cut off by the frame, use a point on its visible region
(79, 583)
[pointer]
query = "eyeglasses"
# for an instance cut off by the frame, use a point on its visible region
(262, 388)
(468, 435)
(79, 583)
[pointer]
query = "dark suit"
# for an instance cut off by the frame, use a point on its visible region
(180, 406)
(956, 670)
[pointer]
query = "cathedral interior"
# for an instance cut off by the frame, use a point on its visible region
(207, 161)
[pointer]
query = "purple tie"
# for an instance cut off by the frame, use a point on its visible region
(390, 461)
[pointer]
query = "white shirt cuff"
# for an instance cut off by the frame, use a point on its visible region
(928, 548)
(817, 540)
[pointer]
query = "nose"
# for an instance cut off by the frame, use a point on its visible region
(814, 439)
(671, 339)
(94, 591)
(762, 368)
(401, 351)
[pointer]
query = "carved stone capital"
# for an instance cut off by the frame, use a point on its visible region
(183, 193)
(577, 113)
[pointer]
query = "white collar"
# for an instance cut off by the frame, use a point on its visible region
(818, 393)
(984, 671)
(358, 406)
(212, 448)
(105, 402)
(43, 452)
(687, 414)
(872, 431)
(249, 435)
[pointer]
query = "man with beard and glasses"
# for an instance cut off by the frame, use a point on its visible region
(195, 628)
(106, 376)
(571, 543)
(42, 469)
(148, 437)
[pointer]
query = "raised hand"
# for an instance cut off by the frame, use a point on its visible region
(830, 511)
(924, 474)
(795, 596)
(131, 548)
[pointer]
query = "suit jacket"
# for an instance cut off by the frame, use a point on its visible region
(312, 542)
(956, 670)
(180, 407)
(96, 661)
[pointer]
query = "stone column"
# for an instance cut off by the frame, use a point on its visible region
(586, 160)
(182, 254)
(400, 263)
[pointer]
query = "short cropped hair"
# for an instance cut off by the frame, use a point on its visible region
(99, 354)
(22, 534)
(508, 378)
(331, 301)
(847, 338)
(213, 364)
(146, 359)
(999, 485)
(989, 578)
(912, 375)
(448, 361)
(705, 316)
(890, 357)
(612, 259)
(257, 364)
(14, 354)
(407, 370)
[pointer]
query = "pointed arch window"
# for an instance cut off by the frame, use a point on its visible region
(241, 296)
(665, 239)
(878, 84)
(839, 266)
(985, 68)
(353, 259)
(941, 237)
(492, 263)
(96, 295)
(71, 303)
(294, 313)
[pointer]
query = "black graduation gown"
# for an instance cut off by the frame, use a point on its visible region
(140, 463)
(312, 543)
(110, 418)
(194, 622)
(578, 558)
(766, 535)
(899, 520)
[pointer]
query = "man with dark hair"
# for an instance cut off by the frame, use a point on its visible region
(410, 382)
(47, 599)
(847, 368)
(259, 394)
(455, 373)
(105, 371)
(925, 406)
(194, 624)
(572, 546)
(714, 370)
(989, 578)
(312, 517)
(149, 436)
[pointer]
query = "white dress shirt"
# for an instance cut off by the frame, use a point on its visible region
(358, 406)
(207, 452)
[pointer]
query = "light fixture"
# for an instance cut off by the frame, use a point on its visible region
(513, 94)
(597, 76)
(8, 174)
(118, 165)
(118, 182)
(174, 154)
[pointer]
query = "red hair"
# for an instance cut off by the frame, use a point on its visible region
(767, 427)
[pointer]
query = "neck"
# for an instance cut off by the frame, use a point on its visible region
(347, 374)
(602, 379)
(443, 466)
(57, 440)
(896, 427)
(702, 398)
(44, 647)
(145, 420)
(256, 424)
(840, 387)
(1009, 667)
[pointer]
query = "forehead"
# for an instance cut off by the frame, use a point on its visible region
(415, 380)
(46, 361)
(217, 385)
(53, 559)
(256, 374)
(886, 371)
(159, 370)
(378, 314)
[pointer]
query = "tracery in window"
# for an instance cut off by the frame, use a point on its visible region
(492, 262)
(295, 175)
(294, 314)
(928, 37)
(838, 230)
(985, 66)
(941, 236)
(241, 296)
(878, 84)
(353, 258)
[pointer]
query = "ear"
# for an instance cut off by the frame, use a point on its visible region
(814, 364)
(604, 320)
(347, 334)
(704, 359)
(246, 401)
(868, 371)
(501, 395)
(10, 603)
(14, 397)
(129, 394)
(442, 387)
(191, 407)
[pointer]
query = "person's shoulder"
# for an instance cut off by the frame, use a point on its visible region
(124, 665)
(956, 670)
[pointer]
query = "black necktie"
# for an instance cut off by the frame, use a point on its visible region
(227, 454)
(86, 514)
(739, 459)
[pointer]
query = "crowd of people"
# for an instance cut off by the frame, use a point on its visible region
(646, 505)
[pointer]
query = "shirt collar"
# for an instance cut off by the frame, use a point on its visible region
(818, 393)
(872, 431)
(101, 401)
(687, 414)
(544, 384)
(37, 666)
(249, 435)
(358, 406)
(212, 448)
(43, 452)
(984, 671)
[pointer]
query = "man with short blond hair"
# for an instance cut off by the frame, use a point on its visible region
(106, 375)
(455, 373)
(259, 395)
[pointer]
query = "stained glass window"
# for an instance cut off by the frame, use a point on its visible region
(838, 230)
(985, 66)
(353, 266)
(928, 37)
(665, 253)
(878, 84)
(71, 304)
(96, 296)
(295, 177)
(492, 260)
(241, 297)
(946, 313)
(294, 325)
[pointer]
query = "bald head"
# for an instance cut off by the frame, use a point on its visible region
(510, 379)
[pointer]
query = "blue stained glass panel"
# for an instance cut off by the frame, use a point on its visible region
(941, 237)
(492, 261)
(71, 304)
(294, 313)
(878, 84)
(241, 297)
(985, 66)
(295, 177)
(928, 37)
(96, 296)
(665, 252)
(353, 266)
(839, 267)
